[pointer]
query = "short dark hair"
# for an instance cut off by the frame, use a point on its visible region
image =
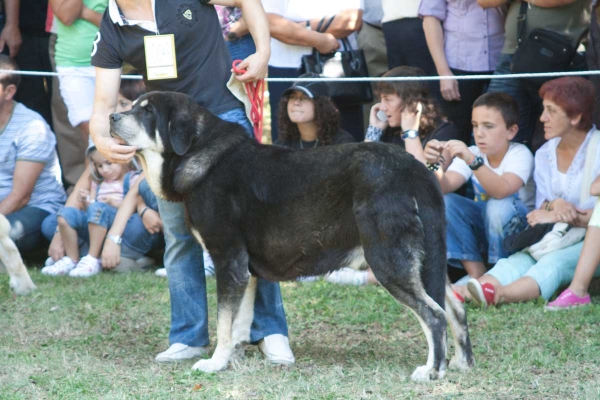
(504, 103)
(131, 89)
(7, 63)
(575, 95)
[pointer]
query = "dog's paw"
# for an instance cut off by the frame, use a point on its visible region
(425, 373)
(459, 364)
(22, 286)
(209, 366)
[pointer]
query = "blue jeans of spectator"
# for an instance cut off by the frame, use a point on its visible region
(550, 272)
(187, 285)
(528, 100)
(475, 228)
(26, 227)
(241, 48)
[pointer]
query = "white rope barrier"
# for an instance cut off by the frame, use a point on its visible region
(365, 79)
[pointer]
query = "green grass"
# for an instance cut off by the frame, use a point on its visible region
(97, 338)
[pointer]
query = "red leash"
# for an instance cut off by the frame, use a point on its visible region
(256, 94)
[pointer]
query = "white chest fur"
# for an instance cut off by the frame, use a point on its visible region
(153, 166)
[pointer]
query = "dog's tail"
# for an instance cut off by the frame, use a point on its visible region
(4, 227)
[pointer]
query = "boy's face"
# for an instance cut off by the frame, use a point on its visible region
(490, 131)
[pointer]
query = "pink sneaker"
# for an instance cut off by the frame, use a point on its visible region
(566, 300)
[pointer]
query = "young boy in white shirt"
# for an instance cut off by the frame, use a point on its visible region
(502, 176)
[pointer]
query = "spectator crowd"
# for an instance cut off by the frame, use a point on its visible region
(510, 154)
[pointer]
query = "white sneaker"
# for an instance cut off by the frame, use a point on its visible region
(277, 349)
(86, 267)
(180, 352)
(347, 276)
(161, 272)
(209, 266)
(60, 267)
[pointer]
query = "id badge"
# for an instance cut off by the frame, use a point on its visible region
(161, 62)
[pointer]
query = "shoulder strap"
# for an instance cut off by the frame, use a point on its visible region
(126, 183)
(590, 158)
(522, 21)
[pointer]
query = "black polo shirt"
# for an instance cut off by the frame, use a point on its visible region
(203, 62)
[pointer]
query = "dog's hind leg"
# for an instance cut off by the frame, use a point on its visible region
(457, 317)
(20, 281)
(236, 291)
(397, 269)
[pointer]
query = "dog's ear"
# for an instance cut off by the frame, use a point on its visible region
(182, 130)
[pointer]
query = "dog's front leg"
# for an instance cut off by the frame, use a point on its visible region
(235, 312)
(20, 281)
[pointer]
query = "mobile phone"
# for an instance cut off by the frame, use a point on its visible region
(381, 116)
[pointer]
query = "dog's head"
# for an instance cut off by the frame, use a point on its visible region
(160, 122)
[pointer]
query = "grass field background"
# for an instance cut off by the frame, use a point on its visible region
(96, 339)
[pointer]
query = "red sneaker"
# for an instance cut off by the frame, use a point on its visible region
(482, 294)
(458, 296)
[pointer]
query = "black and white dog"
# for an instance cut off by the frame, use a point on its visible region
(278, 214)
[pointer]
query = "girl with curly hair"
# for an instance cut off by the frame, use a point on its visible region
(410, 113)
(308, 118)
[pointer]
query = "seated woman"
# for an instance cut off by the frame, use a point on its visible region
(560, 196)
(410, 113)
(307, 119)
(587, 266)
(30, 184)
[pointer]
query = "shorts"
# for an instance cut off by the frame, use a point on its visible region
(77, 92)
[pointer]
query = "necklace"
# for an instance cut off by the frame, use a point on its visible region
(315, 145)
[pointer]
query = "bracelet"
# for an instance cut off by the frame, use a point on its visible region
(548, 205)
(433, 167)
(374, 134)
(143, 211)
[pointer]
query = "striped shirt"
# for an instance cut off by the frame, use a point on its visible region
(27, 137)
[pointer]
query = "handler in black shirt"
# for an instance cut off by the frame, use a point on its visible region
(178, 46)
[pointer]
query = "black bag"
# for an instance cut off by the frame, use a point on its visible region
(529, 236)
(348, 63)
(543, 50)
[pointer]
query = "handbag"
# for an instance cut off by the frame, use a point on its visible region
(347, 63)
(543, 50)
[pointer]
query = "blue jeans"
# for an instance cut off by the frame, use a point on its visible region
(137, 241)
(526, 96)
(26, 227)
(551, 272)
(241, 48)
(478, 227)
(187, 285)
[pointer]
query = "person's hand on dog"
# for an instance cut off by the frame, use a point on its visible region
(564, 211)
(411, 117)
(459, 149)
(115, 150)
(152, 221)
(56, 250)
(374, 120)
(111, 254)
(256, 67)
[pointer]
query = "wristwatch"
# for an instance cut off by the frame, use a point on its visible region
(115, 238)
(476, 163)
(410, 134)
